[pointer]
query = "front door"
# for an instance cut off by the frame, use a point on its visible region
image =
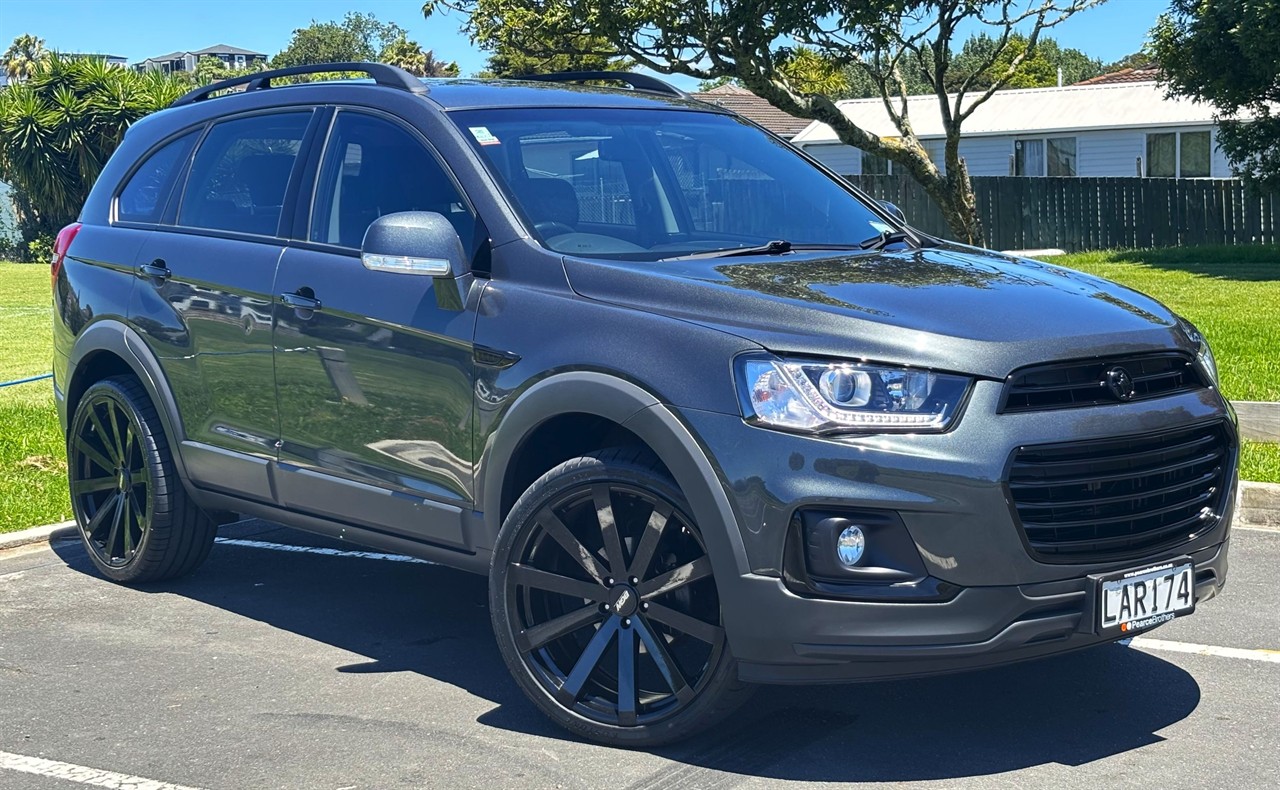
(374, 369)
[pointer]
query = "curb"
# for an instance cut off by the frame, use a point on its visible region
(1260, 505)
(48, 533)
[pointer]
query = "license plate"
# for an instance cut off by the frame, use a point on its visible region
(1137, 600)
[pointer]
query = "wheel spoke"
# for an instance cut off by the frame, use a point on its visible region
(127, 451)
(587, 663)
(113, 414)
(92, 485)
(528, 576)
(677, 577)
(556, 528)
(662, 659)
(698, 629)
(100, 516)
(658, 520)
(110, 545)
(545, 633)
(126, 527)
(93, 454)
(609, 530)
(627, 701)
(138, 506)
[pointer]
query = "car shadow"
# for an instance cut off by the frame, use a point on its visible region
(433, 621)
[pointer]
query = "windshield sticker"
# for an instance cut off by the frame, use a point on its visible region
(880, 227)
(484, 136)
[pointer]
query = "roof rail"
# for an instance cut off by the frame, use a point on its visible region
(382, 74)
(641, 82)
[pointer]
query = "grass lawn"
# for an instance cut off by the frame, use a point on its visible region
(33, 464)
(1231, 293)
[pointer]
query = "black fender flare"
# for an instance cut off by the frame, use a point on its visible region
(116, 337)
(643, 414)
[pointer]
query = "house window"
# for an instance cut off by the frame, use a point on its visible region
(1193, 155)
(1062, 156)
(1028, 157)
(873, 165)
(1052, 156)
(1162, 155)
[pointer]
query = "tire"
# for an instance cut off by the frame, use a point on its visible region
(577, 614)
(134, 516)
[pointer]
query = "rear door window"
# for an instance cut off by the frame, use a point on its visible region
(240, 173)
(146, 193)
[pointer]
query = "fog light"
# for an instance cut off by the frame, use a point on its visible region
(850, 545)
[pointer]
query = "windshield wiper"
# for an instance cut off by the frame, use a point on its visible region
(884, 239)
(776, 247)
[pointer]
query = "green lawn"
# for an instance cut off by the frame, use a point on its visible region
(1231, 293)
(33, 486)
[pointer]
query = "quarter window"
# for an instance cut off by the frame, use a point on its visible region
(144, 197)
(374, 167)
(240, 174)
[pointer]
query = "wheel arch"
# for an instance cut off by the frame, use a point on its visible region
(110, 347)
(630, 410)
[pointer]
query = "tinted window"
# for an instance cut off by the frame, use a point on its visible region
(653, 184)
(374, 167)
(144, 197)
(240, 173)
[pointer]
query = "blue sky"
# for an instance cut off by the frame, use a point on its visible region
(138, 29)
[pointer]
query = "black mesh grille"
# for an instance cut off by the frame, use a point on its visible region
(1063, 385)
(1109, 498)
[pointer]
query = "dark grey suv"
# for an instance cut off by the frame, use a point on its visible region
(706, 415)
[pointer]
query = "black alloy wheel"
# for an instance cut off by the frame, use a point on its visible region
(111, 485)
(605, 600)
(136, 521)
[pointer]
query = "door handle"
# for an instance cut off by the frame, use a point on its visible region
(299, 302)
(156, 270)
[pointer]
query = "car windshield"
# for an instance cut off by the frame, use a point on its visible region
(659, 184)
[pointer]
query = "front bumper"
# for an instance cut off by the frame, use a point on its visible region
(1001, 605)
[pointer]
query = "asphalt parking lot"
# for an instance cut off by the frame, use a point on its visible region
(271, 668)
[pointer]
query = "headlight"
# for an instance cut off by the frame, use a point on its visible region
(1204, 354)
(817, 397)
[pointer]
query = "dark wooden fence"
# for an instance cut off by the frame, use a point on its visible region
(1097, 213)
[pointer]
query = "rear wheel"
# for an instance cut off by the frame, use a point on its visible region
(605, 607)
(135, 518)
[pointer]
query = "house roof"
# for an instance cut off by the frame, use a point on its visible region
(754, 108)
(1030, 111)
(170, 56)
(1145, 73)
(225, 49)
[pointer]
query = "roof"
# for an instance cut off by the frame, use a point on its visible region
(225, 49)
(170, 56)
(1145, 73)
(1031, 110)
(752, 107)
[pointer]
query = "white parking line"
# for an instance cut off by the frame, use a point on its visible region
(81, 774)
(367, 555)
(1270, 656)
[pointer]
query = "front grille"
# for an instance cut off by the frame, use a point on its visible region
(1064, 385)
(1110, 498)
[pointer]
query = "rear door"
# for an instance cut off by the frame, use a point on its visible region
(374, 369)
(204, 301)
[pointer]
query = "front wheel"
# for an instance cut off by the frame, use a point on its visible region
(604, 604)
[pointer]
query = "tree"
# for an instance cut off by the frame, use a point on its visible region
(58, 129)
(1227, 53)
(22, 56)
(752, 42)
(410, 56)
(357, 38)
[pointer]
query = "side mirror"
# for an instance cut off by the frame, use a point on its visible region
(413, 242)
(893, 210)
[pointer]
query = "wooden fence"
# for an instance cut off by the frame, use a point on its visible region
(1097, 213)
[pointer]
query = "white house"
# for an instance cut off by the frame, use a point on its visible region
(231, 57)
(1117, 129)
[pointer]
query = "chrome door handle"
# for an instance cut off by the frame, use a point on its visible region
(299, 302)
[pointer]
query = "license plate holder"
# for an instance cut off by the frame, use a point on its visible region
(1138, 599)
